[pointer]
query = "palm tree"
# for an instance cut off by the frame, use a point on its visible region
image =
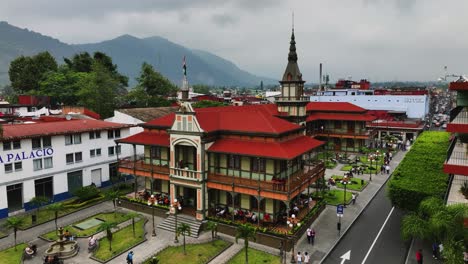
(183, 229)
(246, 232)
(213, 227)
(439, 223)
(113, 195)
(56, 208)
(14, 222)
(38, 202)
(132, 215)
(107, 226)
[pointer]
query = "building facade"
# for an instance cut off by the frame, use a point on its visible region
(53, 159)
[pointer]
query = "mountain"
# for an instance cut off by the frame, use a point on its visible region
(129, 52)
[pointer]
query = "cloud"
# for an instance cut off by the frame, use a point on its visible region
(223, 20)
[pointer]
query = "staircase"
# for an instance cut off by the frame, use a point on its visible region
(169, 224)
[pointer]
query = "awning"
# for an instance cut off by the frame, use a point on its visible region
(337, 116)
(146, 138)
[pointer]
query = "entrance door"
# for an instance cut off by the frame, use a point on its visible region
(15, 197)
(96, 177)
(190, 197)
(75, 180)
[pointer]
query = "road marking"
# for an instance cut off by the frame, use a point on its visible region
(377, 237)
(346, 256)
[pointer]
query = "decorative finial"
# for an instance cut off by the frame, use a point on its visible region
(293, 21)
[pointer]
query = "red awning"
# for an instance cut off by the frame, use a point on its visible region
(337, 116)
(278, 150)
(147, 138)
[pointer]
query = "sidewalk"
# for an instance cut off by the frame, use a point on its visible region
(427, 253)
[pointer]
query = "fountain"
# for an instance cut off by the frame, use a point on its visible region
(63, 248)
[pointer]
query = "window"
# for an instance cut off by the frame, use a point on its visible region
(338, 124)
(16, 144)
(18, 166)
(113, 133)
(234, 162)
(73, 139)
(98, 152)
(47, 142)
(8, 168)
(37, 164)
(36, 143)
(48, 163)
(110, 151)
(92, 153)
(155, 152)
(6, 145)
(44, 187)
(78, 156)
(69, 158)
(94, 134)
(258, 165)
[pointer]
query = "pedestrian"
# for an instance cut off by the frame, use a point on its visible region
(390, 155)
(387, 168)
(419, 256)
(441, 248)
(309, 235)
(130, 257)
(306, 258)
(312, 237)
(353, 198)
(299, 258)
(435, 249)
(382, 169)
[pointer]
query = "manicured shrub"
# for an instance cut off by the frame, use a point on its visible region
(86, 193)
(419, 174)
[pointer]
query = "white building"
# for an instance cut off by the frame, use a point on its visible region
(53, 159)
(415, 106)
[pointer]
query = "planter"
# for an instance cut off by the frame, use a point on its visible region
(143, 208)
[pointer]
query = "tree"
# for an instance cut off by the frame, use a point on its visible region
(183, 229)
(153, 83)
(107, 226)
(26, 72)
(207, 103)
(14, 223)
(201, 88)
(246, 232)
(38, 202)
(56, 208)
(62, 85)
(113, 195)
(434, 221)
(213, 227)
(80, 62)
(133, 215)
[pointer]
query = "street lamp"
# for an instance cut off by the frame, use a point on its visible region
(151, 202)
(176, 206)
(291, 222)
(345, 183)
(370, 158)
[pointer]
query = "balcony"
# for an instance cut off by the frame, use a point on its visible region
(459, 121)
(291, 98)
(298, 182)
(345, 133)
(457, 160)
(141, 168)
(417, 124)
(185, 173)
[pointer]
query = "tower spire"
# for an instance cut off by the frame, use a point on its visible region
(185, 86)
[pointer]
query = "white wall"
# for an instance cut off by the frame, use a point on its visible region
(122, 118)
(415, 106)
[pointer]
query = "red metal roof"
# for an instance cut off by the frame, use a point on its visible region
(17, 131)
(334, 107)
(278, 150)
(337, 116)
(147, 138)
(249, 118)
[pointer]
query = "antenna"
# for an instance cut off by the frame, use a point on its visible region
(293, 20)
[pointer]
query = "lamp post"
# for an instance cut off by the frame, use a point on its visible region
(291, 222)
(371, 158)
(345, 183)
(176, 205)
(151, 202)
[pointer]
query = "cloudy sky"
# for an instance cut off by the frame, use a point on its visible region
(375, 39)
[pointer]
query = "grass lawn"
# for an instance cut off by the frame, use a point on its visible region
(9, 255)
(354, 183)
(255, 256)
(365, 167)
(335, 197)
(108, 217)
(3, 233)
(122, 240)
(196, 253)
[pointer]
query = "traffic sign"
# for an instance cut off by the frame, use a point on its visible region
(339, 209)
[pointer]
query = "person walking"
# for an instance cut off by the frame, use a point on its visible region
(299, 258)
(353, 198)
(130, 257)
(419, 256)
(309, 235)
(312, 236)
(387, 168)
(306, 258)
(435, 249)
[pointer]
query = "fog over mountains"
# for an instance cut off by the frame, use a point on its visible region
(129, 52)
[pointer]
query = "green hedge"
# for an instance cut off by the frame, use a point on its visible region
(420, 174)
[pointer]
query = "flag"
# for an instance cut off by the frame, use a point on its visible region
(184, 67)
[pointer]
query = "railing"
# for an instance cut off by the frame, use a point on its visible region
(141, 165)
(186, 173)
(308, 175)
(355, 132)
(458, 158)
(385, 123)
(451, 147)
(454, 112)
(291, 98)
(460, 118)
